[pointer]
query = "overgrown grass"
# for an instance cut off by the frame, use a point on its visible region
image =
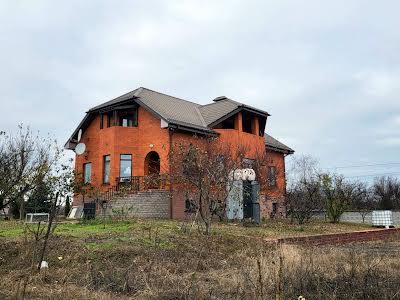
(270, 229)
(154, 260)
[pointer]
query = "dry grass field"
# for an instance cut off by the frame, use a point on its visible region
(155, 259)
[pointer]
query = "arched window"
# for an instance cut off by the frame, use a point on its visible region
(152, 170)
(152, 164)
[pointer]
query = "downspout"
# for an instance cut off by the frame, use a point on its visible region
(284, 174)
(170, 133)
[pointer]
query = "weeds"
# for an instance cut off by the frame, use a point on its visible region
(155, 260)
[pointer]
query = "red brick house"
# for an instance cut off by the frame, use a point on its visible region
(130, 137)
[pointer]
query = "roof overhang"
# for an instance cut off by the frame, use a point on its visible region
(239, 109)
(277, 149)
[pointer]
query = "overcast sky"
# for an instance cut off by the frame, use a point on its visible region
(327, 71)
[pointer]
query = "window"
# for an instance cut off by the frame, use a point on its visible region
(246, 122)
(87, 172)
(272, 176)
(248, 163)
(226, 124)
(101, 121)
(128, 118)
(125, 167)
(109, 118)
(106, 168)
(274, 208)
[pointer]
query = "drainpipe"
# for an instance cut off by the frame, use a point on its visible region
(170, 133)
(284, 182)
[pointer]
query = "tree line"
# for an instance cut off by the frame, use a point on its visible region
(33, 173)
(310, 190)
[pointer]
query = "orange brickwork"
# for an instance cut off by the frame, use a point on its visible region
(148, 136)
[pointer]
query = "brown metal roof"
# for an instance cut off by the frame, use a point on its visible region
(275, 145)
(175, 111)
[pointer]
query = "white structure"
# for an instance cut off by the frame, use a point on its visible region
(234, 205)
(76, 212)
(37, 217)
(382, 218)
(243, 174)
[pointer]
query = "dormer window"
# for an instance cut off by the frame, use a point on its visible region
(128, 118)
(120, 116)
(247, 122)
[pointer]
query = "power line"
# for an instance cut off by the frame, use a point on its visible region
(373, 175)
(365, 165)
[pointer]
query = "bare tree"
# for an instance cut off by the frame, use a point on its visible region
(338, 194)
(365, 203)
(303, 196)
(25, 162)
(386, 191)
(60, 180)
(201, 171)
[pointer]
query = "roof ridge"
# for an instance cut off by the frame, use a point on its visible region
(135, 93)
(213, 103)
(144, 88)
(200, 116)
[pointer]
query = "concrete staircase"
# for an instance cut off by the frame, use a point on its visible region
(146, 204)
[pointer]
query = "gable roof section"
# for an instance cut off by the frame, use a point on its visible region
(118, 100)
(275, 145)
(215, 111)
(176, 112)
(172, 109)
(224, 107)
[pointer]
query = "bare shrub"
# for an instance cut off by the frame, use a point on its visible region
(203, 267)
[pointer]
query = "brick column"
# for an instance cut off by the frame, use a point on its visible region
(255, 126)
(239, 122)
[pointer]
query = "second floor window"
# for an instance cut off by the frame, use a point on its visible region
(87, 172)
(272, 176)
(248, 163)
(106, 169)
(128, 118)
(125, 168)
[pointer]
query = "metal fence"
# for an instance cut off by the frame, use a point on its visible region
(357, 217)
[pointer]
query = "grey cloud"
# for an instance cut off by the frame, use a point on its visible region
(327, 71)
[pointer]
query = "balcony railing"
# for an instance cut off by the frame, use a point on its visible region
(132, 185)
(142, 183)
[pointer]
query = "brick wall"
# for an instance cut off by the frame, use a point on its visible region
(149, 136)
(149, 204)
(340, 238)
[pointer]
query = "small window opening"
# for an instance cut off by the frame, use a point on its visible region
(87, 173)
(272, 176)
(227, 124)
(248, 163)
(106, 169)
(109, 118)
(246, 122)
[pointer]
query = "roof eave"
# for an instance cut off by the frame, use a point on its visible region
(176, 125)
(277, 149)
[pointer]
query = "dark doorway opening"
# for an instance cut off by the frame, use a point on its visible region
(152, 170)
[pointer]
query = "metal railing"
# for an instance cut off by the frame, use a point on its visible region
(132, 185)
